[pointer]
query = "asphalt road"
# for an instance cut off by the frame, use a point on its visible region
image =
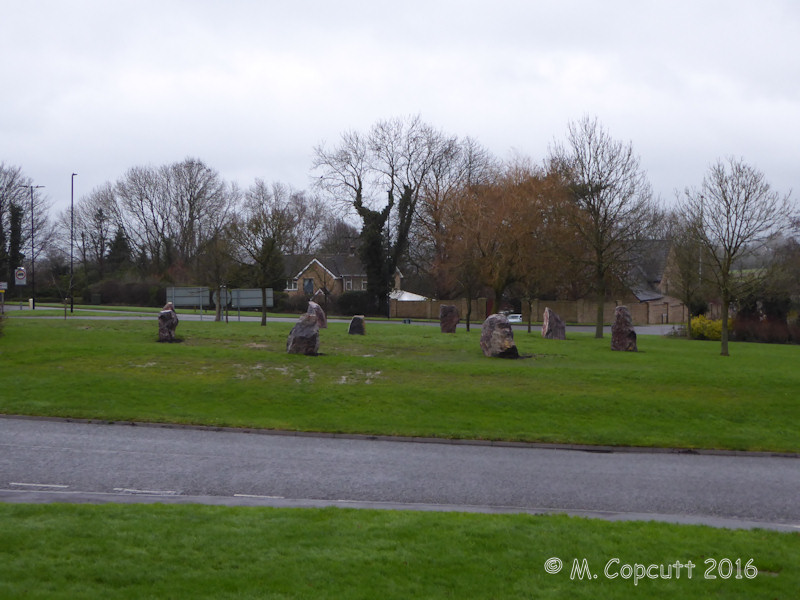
(49, 460)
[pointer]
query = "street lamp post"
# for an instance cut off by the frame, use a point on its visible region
(33, 258)
(71, 240)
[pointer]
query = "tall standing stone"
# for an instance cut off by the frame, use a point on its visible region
(553, 327)
(448, 318)
(316, 309)
(357, 325)
(623, 336)
(497, 338)
(167, 323)
(304, 337)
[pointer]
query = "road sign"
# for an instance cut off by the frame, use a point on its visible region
(188, 296)
(20, 276)
(3, 285)
(251, 298)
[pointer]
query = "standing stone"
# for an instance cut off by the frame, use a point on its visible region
(497, 338)
(167, 323)
(304, 336)
(316, 309)
(357, 325)
(553, 327)
(623, 336)
(448, 318)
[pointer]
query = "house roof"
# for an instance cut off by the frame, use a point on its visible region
(338, 265)
(403, 296)
(648, 265)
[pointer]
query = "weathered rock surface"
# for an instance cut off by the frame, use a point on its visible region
(167, 323)
(357, 325)
(304, 336)
(553, 327)
(316, 309)
(448, 318)
(623, 336)
(497, 338)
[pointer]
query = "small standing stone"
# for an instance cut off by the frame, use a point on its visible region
(357, 325)
(167, 323)
(316, 309)
(448, 318)
(304, 336)
(553, 327)
(623, 336)
(497, 338)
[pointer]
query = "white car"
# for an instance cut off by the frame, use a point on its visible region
(515, 318)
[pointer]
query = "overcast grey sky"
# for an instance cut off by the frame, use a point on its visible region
(96, 87)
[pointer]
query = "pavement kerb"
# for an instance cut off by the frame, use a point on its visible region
(418, 440)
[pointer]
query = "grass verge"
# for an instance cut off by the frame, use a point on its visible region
(157, 551)
(406, 380)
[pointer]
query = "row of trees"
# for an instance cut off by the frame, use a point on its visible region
(453, 217)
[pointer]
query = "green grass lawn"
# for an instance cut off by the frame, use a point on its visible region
(406, 380)
(403, 380)
(158, 551)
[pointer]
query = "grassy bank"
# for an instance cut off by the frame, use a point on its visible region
(137, 551)
(406, 380)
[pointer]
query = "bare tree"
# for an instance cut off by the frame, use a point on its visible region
(613, 200)
(170, 213)
(95, 223)
(732, 216)
(460, 165)
(393, 161)
(264, 231)
(338, 236)
(144, 212)
(684, 269)
(310, 213)
(24, 212)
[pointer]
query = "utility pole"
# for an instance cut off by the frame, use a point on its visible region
(71, 240)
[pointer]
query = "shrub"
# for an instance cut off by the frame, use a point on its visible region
(353, 303)
(771, 331)
(295, 304)
(706, 329)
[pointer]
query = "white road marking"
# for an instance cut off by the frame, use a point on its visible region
(258, 496)
(147, 492)
(38, 485)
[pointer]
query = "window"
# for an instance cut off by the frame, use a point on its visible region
(363, 284)
(308, 286)
(348, 283)
(291, 284)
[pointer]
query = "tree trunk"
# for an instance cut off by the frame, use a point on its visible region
(263, 307)
(726, 302)
(469, 308)
(218, 308)
(530, 313)
(601, 301)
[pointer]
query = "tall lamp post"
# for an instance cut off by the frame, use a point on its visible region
(33, 261)
(33, 258)
(71, 240)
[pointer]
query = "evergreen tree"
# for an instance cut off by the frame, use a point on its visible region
(119, 256)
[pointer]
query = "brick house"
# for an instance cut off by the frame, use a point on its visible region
(310, 275)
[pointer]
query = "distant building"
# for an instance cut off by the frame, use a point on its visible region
(312, 275)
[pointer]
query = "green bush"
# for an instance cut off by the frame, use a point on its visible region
(354, 303)
(706, 329)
